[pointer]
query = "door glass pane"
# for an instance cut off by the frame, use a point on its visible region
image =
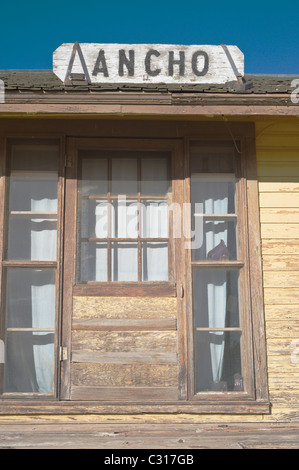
(154, 261)
(154, 178)
(124, 262)
(124, 219)
(93, 218)
(92, 263)
(154, 215)
(29, 362)
(112, 211)
(124, 176)
(94, 174)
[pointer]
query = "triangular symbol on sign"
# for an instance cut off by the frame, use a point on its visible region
(69, 77)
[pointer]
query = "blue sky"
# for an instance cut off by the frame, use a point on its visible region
(267, 32)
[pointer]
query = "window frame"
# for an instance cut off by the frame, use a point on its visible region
(251, 287)
(240, 264)
(155, 288)
(9, 143)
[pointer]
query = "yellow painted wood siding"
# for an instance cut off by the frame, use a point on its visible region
(278, 178)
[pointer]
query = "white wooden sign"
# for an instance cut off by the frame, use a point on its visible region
(148, 63)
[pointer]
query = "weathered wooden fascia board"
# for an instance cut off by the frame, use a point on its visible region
(121, 97)
(89, 108)
(237, 98)
(89, 98)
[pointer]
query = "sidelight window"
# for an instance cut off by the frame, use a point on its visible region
(30, 270)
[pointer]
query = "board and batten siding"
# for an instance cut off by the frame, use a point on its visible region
(277, 146)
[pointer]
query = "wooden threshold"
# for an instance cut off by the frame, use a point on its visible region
(47, 407)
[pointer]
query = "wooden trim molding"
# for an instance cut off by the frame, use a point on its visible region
(27, 407)
(92, 103)
(255, 267)
(92, 110)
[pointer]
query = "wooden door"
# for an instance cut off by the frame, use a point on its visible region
(123, 329)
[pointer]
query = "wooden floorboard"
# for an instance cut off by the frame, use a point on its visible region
(148, 436)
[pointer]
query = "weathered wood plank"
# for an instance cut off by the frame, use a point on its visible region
(151, 435)
(288, 399)
(275, 179)
(73, 409)
(124, 307)
(280, 247)
(283, 329)
(281, 279)
(279, 215)
(277, 344)
(280, 263)
(281, 296)
(153, 357)
(120, 289)
(283, 366)
(120, 375)
(280, 231)
(286, 313)
(279, 200)
(133, 394)
(278, 155)
(282, 126)
(278, 170)
(278, 140)
(278, 186)
(124, 324)
(282, 383)
(125, 341)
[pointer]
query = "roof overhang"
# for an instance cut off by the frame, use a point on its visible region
(42, 93)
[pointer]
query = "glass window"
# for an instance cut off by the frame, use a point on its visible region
(215, 277)
(29, 302)
(123, 216)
